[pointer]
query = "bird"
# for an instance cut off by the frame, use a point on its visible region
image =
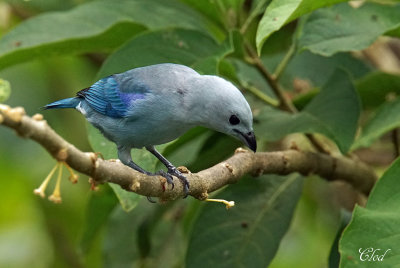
(152, 105)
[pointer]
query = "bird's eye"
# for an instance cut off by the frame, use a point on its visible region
(234, 120)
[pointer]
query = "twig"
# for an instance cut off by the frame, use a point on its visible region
(284, 103)
(358, 174)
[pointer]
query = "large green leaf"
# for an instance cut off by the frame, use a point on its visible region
(187, 47)
(247, 235)
(334, 112)
(281, 12)
(344, 28)
(120, 246)
(375, 226)
(44, 5)
(215, 149)
(338, 108)
(99, 208)
(316, 69)
(184, 151)
(275, 124)
(376, 86)
(334, 256)
(248, 75)
(149, 236)
(223, 12)
(96, 26)
(386, 118)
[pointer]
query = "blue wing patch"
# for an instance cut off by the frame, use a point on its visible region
(105, 97)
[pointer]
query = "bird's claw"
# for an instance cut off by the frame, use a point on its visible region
(150, 199)
(168, 176)
(174, 171)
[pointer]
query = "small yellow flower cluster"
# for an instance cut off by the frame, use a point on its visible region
(55, 197)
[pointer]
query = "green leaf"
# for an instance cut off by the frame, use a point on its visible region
(247, 235)
(43, 5)
(376, 225)
(186, 47)
(101, 204)
(338, 108)
(141, 157)
(275, 124)
(375, 87)
(223, 12)
(386, 118)
(334, 112)
(334, 256)
(149, 236)
(5, 90)
(248, 75)
(344, 28)
(216, 148)
(316, 69)
(281, 12)
(166, 244)
(184, 151)
(96, 26)
(120, 247)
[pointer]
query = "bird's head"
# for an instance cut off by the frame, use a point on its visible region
(225, 109)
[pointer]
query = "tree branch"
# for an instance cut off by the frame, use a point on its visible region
(358, 174)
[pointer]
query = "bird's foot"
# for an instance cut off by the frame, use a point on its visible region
(175, 172)
(167, 176)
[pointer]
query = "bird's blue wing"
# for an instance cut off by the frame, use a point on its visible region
(105, 96)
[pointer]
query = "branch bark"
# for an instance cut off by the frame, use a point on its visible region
(355, 172)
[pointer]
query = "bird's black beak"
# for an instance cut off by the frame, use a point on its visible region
(249, 139)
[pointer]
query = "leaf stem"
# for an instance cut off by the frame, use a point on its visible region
(261, 95)
(285, 61)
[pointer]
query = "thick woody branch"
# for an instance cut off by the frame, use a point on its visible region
(230, 171)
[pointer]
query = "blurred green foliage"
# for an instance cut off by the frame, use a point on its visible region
(5, 90)
(51, 49)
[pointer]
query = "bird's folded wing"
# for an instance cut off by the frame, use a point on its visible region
(105, 97)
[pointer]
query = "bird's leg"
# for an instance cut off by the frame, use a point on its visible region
(172, 170)
(124, 154)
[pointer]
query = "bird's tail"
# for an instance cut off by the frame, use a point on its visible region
(65, 103)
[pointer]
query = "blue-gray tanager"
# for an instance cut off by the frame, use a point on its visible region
(156, 104)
